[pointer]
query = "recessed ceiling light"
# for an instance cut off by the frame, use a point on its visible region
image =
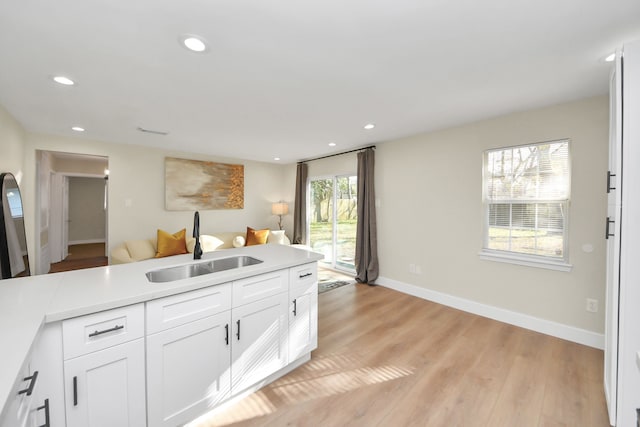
(193, 43)
(611, 57)
(77, 129)
(63, 80)
(276, 158)
(369, 126)
(332, 144)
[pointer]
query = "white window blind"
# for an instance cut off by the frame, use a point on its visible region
(526, 198)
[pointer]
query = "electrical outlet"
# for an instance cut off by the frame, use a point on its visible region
(412, 268)
(592, 305)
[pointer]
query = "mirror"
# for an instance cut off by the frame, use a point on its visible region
(14, 260)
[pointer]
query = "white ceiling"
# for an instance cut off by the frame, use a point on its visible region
(284, 78)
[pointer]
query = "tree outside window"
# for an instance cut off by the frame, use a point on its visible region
(526, 199)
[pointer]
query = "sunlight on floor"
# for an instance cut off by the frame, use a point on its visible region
(320, 377)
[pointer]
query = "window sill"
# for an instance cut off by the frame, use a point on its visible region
(525, 260)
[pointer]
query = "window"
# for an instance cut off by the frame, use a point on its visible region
(333, 220)
(526, 199)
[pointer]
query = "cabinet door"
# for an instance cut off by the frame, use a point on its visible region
(303, 324)
(259, 345)
(48, 407)
(17, 406)
(188, 370)
(614, 182)
(107, 387)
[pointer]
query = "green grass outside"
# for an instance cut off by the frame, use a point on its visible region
(535, 242)
(321, 236)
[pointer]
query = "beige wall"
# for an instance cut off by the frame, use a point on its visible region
(87, 217)
(429, 187)
(137, 179)
(12, 139)
(430, 190)
(86, 165)
(332, 166)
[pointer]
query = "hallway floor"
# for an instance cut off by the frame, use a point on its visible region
(81, 256)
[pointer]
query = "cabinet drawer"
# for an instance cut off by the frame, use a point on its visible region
(303, 279)
(86, 334)
(259, 287)
(176, 310)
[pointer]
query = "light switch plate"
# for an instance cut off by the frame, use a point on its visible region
(638, 359)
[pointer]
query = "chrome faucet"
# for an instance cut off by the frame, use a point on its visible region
(197, 250)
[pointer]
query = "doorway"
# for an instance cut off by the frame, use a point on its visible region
(333, 218)
(73, 211)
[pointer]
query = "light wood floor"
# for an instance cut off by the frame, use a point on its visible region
(389, 359)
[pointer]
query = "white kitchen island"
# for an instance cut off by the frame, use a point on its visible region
(49, 323)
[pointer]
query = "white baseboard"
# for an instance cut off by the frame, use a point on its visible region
(86, 242)
(559, 330)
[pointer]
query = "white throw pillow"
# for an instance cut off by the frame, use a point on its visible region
(277, 237)
(140, 249)
(238, 241)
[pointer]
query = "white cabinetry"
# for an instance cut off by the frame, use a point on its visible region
(612, 231)
(188, 360)
(195, 350)
(622, 341)
(49, 394)
(259, 342)
(37, 397)
(206, 345)
(104, 368)
(22, 399)
(303, 310)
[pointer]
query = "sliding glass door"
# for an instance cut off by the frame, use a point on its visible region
(332, 220)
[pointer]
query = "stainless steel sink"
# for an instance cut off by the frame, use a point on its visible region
(186, 271)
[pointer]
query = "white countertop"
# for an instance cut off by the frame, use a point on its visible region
(27, 303)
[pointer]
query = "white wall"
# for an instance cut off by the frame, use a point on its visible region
(137, 178)
(12, 139)
(430, 190)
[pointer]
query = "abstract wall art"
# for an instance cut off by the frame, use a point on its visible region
(201, 185)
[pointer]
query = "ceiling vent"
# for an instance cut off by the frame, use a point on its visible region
(155, 132)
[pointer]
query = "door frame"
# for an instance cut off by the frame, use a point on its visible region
(106, 204)
(334, 229)
(58, 216)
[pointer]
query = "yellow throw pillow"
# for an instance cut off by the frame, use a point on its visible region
(256, 237)
(171, 244)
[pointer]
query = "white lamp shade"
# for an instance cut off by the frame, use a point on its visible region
(279, 208)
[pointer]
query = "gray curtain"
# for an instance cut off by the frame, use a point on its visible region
(366, 235)
(300, 206)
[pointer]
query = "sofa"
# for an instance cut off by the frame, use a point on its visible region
(141, 249)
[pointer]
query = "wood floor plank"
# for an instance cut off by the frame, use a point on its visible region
(389, 359)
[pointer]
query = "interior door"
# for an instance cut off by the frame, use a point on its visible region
(65, 217)
(58, 228)
(43, 253)
(55, 231)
